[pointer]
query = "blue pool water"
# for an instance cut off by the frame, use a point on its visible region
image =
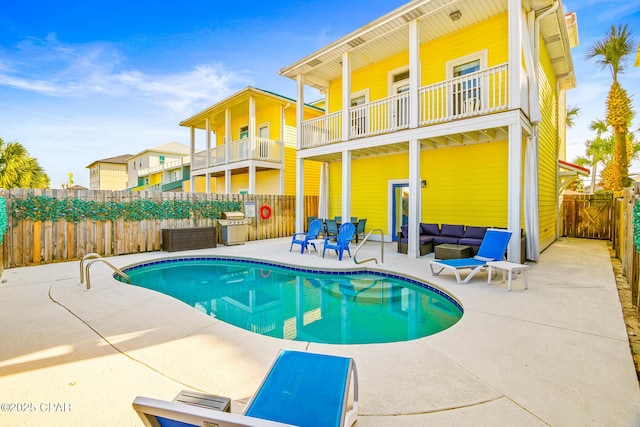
(303, 304)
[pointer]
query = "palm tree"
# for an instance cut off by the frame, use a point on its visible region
(18, 169)
(599, 150)
(612, 52)
(573, 112)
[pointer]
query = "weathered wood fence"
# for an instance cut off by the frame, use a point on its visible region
(29, 242)
(589, 216)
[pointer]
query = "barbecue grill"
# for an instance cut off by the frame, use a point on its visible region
(234, 228)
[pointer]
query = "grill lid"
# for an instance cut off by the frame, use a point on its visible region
(232, 215)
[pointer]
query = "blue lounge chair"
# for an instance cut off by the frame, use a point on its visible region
(492, 248)
(345, 234)
(301, 389)
(302, 239)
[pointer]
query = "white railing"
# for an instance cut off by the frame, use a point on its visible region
(322, 130)
(474, 94)
(263, 149)
(159, 168)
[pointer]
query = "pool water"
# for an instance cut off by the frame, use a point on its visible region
(303, 305)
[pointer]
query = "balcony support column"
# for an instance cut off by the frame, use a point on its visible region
(515, 52)
(299, 224)
(514, 186)
(227, 134)
(414, 73)
(346, 185)
(227, 181)
(192, 151)
(415, 199)
(346, 95)
(208, 157)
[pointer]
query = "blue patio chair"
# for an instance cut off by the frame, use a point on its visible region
(345, 234)
(331, 228)
(493, 246)
(360, 229)
(300, 389)
(310, 219)
(303, 239)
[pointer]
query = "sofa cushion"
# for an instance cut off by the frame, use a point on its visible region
(475, 232)
(452, 230)
(438, 240)
(429, 229)
(469, 241)
(404, 231)
(426, 239)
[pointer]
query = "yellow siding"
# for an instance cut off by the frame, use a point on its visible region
(311, 174)
(490, 34)
(466, 185)
(155, 178)
(370, 187)
(547, 152)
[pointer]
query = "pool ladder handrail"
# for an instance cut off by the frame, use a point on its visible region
(355, 254)
(94, 257)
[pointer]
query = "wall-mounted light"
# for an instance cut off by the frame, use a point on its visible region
(423, 183)
(455, 15)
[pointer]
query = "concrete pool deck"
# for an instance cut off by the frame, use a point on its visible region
(555, 354)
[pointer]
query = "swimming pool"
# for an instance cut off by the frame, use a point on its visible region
(303, 304)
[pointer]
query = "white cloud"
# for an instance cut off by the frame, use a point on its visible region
(50, 67)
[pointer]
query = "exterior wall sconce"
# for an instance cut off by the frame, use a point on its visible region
(423, 183)
(455, 15)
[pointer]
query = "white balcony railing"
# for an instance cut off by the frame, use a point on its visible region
(263, 149)
(470, 95)
(159, 168)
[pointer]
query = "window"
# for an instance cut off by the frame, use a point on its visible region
(358, 116)
(244, 132)
(263, 142)
(400, 108)
(162, 160)
(466, 90)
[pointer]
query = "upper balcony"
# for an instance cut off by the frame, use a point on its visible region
(161, 168)
(474, 94)
(246, 149)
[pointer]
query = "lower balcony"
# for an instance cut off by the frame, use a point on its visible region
(470, 95)
(261, 149)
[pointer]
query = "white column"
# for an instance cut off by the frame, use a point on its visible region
(515, 52)
(207, 176)
(299, 161)
(283, 123)
(415, 199)
(227, 132)
(192, 150)
(346, 95)
(515, 190)
(414, 74)
(227, 181)
(346, 186)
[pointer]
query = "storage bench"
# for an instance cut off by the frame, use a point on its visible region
(184, 239)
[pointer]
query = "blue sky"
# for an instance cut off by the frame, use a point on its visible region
(82, 81)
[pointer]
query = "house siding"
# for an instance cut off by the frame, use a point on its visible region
(547, 152)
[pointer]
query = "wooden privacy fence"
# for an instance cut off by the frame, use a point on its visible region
(68, 224)
(589, 216)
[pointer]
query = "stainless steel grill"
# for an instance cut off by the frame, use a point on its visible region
(234, 228)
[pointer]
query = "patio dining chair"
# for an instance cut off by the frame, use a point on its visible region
(331, 228)
(360, 229)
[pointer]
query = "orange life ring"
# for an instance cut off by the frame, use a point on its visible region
(265, 273)
(265, 212)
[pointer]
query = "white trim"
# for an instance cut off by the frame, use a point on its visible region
(390, 184)
(482, 55)
(358, 94)
(393, 73)
(262, 126)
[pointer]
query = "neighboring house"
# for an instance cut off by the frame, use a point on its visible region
(447, 112)
(109, 174)
(162, 168)
(248, 145)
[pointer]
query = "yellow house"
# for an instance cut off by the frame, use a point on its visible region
(249, 142)
(109, 174)
(160, 168)
(442, 111)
